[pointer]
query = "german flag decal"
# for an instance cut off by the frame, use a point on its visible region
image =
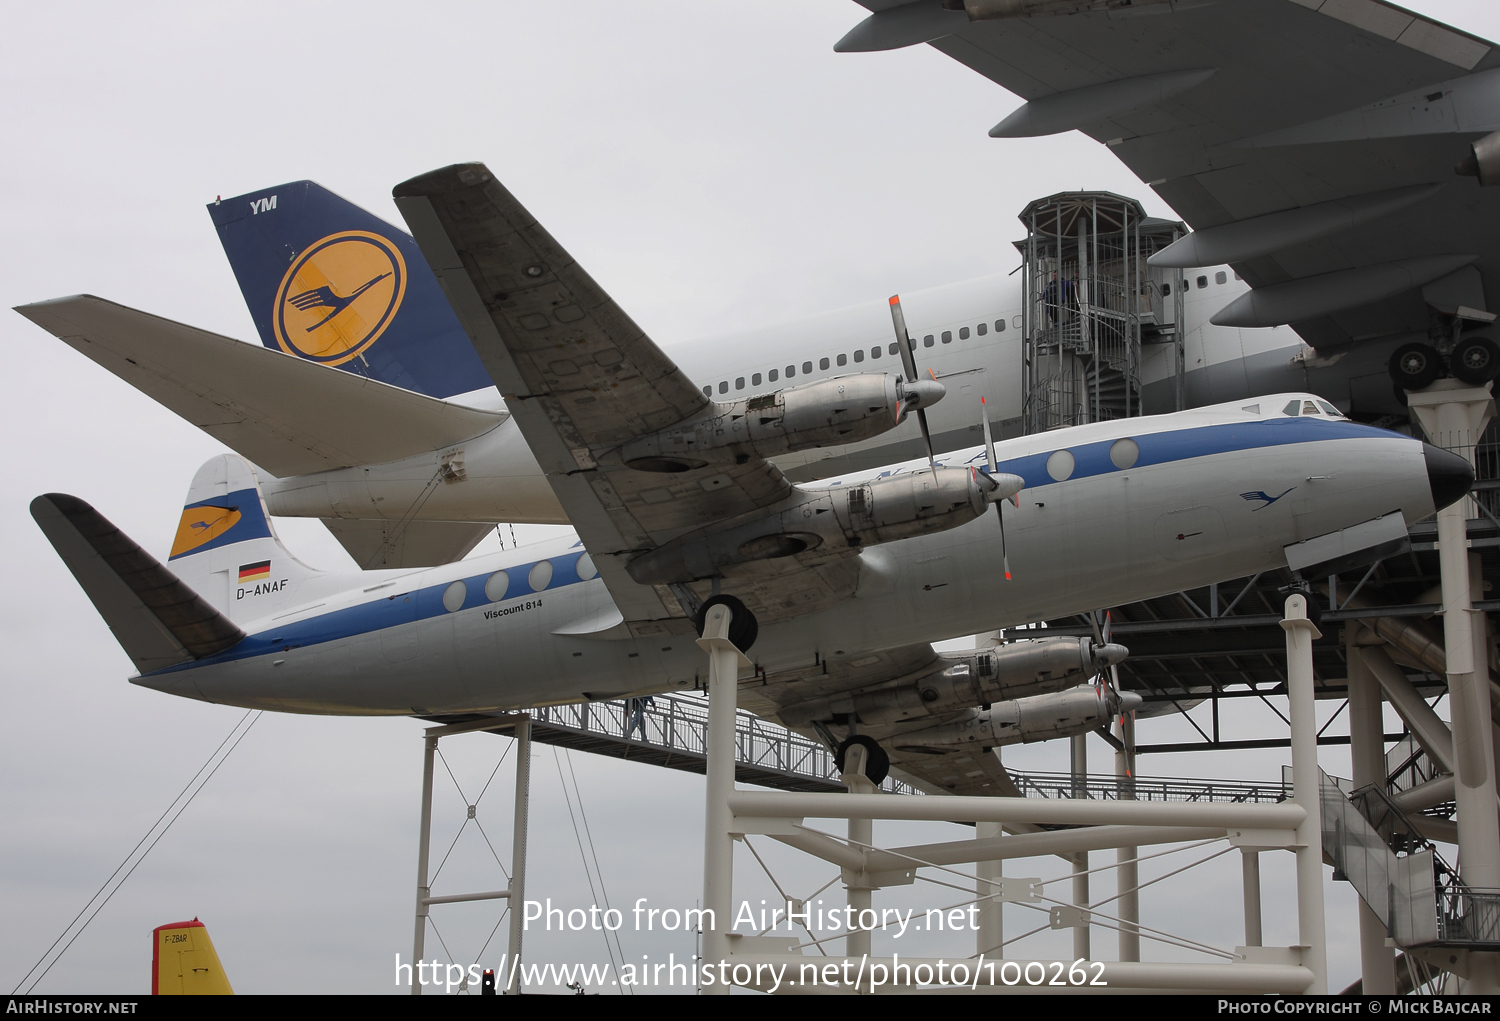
(255, 572)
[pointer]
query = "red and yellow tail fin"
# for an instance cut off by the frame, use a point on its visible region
(183, 962)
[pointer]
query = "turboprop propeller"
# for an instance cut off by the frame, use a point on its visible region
(919, 392)
(1127, 732)
(1003, 486)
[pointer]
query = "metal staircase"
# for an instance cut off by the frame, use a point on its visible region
(1091, 300)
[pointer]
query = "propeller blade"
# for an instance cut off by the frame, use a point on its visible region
(903, 339)
(926, 437)
(989, 443)
(1004, 556)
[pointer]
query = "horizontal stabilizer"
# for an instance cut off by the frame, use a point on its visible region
(375, 544)
(285, 414)
(157, 619)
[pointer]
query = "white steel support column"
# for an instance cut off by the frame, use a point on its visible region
(858, 893)
(1300, 633)
(1367, 750)
(418, 947)
(1250, 876)
(1454, 417)
(724, 661)
(518, 850)
(1080, 756)
(1127, 875)
(991, 909)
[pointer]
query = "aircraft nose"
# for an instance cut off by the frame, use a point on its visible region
(1448, 474)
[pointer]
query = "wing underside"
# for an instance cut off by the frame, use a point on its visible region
(1290, 118)
(285, 414)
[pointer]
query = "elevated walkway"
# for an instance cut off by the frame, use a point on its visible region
(672, 731)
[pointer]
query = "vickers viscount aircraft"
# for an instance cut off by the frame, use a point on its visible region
(843, 585)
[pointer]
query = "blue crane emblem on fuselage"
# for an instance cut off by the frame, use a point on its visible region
(1261, 495)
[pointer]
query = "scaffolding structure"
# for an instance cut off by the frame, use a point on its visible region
(1090, 302)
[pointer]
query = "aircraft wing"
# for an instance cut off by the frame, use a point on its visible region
(287, 415)
(1355, 107)
(936, 770)
(581, 379)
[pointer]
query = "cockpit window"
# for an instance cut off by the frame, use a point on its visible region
(1330, 410)
(1309, 408)
(1292, 407)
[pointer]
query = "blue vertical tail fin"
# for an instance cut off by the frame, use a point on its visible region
(330, 282)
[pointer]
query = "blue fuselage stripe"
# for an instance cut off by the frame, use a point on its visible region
(406, 606)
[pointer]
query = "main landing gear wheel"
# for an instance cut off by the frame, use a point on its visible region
(1475, 360)
(877, 762)
(743, 627)
(1415, 366)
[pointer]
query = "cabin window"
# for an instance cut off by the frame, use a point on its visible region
(708, 391)
(739, 382)
(999, 325)
(724, 387)
(1016, 322)
(822, 363)
(791, 370)
(1166, 289)
(927, 340)
(859, 355)
(1220, 277)
(454, 596)
(963, 333)
(806, 367)
(875, 351)
(894, 349)
(1202, 282)
(773, 375)
(843, 359)
(981, 329)
(947, 336)
(540, 576)
(494, 588)
(755, 379)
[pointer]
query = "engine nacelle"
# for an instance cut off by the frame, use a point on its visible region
(967, 681)
(1483, 160)
(1025, 720)
(828, 413)
(846, 517)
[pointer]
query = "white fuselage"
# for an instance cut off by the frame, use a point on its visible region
(504, 483)
(1177, 516)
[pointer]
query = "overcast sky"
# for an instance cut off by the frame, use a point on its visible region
(714, 165)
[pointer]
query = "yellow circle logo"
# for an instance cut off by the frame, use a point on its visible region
(339, 296)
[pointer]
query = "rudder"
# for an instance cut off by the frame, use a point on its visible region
(226, 548)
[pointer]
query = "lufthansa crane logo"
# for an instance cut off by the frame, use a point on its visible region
(339, 296)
